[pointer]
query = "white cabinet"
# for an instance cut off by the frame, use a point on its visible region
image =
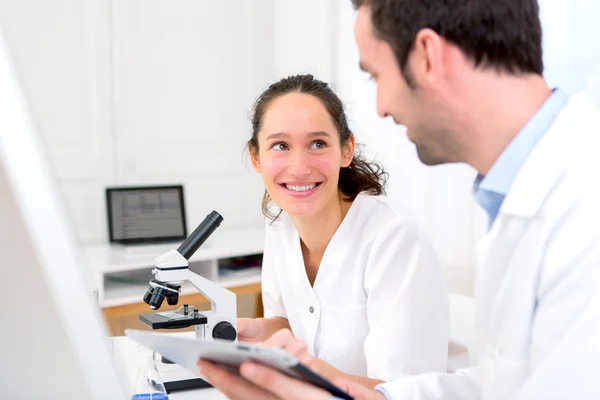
(122, 277)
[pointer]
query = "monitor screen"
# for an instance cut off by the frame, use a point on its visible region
(149, 214)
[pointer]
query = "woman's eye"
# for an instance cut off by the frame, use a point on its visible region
(317, 145)
(279, 146)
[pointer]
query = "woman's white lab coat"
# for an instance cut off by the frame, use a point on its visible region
(378, 307)
(538, 286)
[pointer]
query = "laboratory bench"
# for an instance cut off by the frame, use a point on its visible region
(121, 275)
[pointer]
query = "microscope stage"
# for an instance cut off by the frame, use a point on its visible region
(172, 320)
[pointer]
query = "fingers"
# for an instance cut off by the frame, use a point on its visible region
(248, 329)
(358, 391)
(281, 338)
(282, 386)
(286, 340)
(296, 348)
(233, 386)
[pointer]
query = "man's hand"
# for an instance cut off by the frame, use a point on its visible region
(260, 382)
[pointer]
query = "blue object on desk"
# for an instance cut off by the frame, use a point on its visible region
(150, 396)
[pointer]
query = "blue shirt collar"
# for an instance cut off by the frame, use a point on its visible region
(490, 190)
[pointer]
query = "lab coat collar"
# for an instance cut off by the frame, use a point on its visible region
(549, 159)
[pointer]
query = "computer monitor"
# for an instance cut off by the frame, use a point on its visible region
(146, 214)
(53, 341)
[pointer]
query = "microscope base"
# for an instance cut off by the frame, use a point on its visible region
(189, 384)
(176, 378)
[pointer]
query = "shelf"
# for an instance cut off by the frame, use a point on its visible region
(121, 294)
(123, 277)
(105, 258)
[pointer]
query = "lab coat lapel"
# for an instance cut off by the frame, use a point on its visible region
(549, 159)
(303, 292)
(513, 233)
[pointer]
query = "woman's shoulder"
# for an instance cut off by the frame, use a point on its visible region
(280, 225)
(383, 211)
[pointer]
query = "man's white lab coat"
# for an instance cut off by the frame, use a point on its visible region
(538, 284)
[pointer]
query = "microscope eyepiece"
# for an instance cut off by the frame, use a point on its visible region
(159, 291)
(200, 234)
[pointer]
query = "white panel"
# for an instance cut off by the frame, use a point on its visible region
(52, 47)
(186, 76)
(62, 52)
(87, 209)
(236, 197)
(571, 48)
(304, 38)
(179, 77)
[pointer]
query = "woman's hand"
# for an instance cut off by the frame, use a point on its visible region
(254, 330)
(285, 340)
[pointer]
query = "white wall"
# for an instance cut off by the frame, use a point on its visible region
(570, 40)
(60, 49)
(146, 92)
(185, 75)
(149, 91)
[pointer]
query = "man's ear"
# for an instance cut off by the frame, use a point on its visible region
(427, 58)
(254, 157)
(348, 151)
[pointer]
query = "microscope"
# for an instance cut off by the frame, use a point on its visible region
(170, 271)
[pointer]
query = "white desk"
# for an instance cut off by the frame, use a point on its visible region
(106, 260)
(129, 355)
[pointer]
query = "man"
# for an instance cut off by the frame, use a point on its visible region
(465, 77)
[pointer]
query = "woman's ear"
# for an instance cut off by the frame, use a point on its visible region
(348, 151)
(254, 157)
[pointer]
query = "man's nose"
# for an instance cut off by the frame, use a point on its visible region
(381, 111)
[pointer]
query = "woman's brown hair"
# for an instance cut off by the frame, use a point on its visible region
(360, 175)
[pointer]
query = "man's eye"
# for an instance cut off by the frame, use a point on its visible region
(279, 146)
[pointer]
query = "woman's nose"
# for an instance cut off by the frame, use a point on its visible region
(298, 164)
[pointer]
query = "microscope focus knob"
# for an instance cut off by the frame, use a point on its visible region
(224, 331)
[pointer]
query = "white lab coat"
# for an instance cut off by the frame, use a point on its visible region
(538, 285)
(378, 307)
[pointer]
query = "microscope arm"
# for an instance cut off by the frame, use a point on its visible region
(173, 267)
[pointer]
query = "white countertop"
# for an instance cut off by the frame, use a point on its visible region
(227, 243)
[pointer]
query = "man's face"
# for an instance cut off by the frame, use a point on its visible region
(419, 107)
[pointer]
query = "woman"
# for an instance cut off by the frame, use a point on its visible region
(347, 272)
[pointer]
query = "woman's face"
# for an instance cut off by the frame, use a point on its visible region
(300, 155)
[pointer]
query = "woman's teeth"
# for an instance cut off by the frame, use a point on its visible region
(300, 188)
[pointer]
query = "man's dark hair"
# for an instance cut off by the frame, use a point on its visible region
(502, 34)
